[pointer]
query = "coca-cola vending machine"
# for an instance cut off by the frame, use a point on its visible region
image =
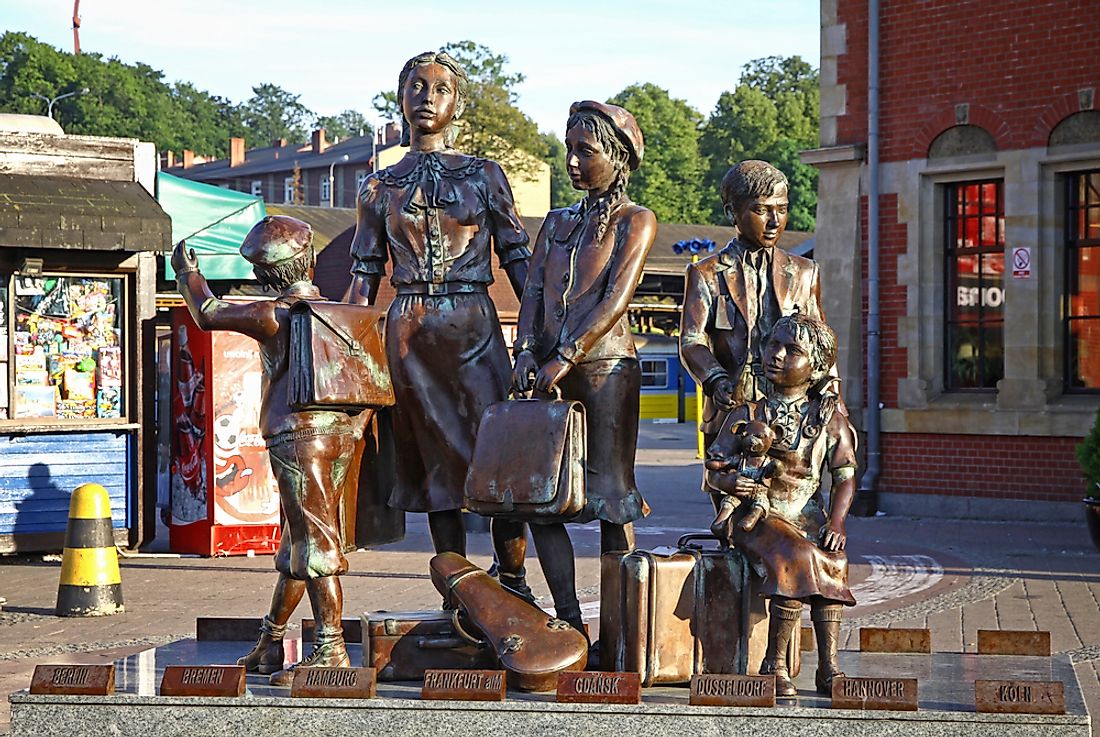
(223, 495)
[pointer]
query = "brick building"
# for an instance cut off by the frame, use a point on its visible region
(988, 230)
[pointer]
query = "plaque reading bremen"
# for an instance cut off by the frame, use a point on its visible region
(74, 680)
(894, 694)
(579, 687)
(1020, 697)
(202, 680)
(333, 683)
(716, 690)
(464, 685)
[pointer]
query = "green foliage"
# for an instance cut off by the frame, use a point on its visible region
(772, 114)
(1088, 455)
(562, 193)
(492, 126)
(273, 112)
(670, 178)
(345, 125)
(385, 104)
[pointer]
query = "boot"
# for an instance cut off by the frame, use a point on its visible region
(571, 613)
(328, 651)
(516, 583)
(826, 620)
(781, 627)
(326, 598)
(266, 656)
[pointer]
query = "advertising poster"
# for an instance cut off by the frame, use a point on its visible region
(244, 487)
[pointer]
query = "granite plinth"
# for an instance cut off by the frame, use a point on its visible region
(946, 706)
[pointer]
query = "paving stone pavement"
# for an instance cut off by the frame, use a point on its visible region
(952, 576)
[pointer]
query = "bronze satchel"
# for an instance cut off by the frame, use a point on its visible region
(532, 646)
(337, 358)
(529, 461)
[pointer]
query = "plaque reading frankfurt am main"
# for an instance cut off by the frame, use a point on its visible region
(202, 680)
(74, 680)
(1020, 697)
(464, 685)
(893, 694)
(332, 683)
(718, 690)
(580, 687)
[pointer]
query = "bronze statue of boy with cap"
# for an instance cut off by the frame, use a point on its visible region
(310, 451)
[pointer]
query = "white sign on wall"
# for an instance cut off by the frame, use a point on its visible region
(1021, 263)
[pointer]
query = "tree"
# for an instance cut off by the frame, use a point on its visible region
(272, 113)
(124, 100)
(345, 125)
(562, 193)
(670, 179)
(771, 114)
(385, 104)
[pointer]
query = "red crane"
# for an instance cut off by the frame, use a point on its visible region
(76, 27)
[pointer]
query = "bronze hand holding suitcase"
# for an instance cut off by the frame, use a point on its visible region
(400, 646)
(529, 460)
(531, 645)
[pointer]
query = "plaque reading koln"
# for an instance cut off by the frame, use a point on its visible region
(894, 694)
(579, 687)
(1020, 697)
(464, 685)
(74, 680)
(333, 683)
(202, 680)
(718, 690)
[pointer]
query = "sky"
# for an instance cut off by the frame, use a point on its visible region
(337, 54)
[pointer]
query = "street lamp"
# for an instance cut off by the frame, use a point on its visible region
(331, 180)
(51, 102)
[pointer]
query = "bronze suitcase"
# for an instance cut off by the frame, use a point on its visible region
(337, 358)
(529, 460)
(402, 645)
(672, 614)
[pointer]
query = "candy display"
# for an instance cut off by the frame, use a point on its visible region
(67, 352)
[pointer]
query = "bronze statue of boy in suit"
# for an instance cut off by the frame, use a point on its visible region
(733, 298)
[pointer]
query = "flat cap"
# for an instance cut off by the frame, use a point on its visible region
(275, 239)
(626, 127)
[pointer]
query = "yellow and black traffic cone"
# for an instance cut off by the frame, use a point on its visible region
(91, 584)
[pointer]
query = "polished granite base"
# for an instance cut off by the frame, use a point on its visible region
(946, 693)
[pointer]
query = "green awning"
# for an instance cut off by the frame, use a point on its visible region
(213, 221)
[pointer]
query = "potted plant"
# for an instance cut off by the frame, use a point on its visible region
(1088, 455)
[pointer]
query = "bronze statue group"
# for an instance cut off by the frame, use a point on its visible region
(753, 336)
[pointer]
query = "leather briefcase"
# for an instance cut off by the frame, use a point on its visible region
(672, 614)
(529, 461)
(400, 646)
(337, 358)
(531, 645)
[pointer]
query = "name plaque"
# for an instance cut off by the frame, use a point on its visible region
(74, 680)
(464, 685)
(580, 687)
(892, 694)
(721, 690)
(333, 683)
(895, 640)
(1013, 642)
(1020, 697)
(202, 680)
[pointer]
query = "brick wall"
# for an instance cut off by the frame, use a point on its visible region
(1002, 466)
(892, 296)
(1018, 64)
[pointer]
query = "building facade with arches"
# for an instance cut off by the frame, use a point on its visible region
(989, 244)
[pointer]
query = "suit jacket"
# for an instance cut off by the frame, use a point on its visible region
(714, 333)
